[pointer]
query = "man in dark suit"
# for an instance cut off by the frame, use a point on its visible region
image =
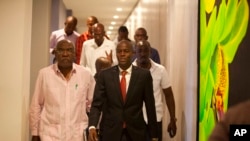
(122, 118)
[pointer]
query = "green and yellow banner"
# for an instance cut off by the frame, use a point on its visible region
(223, 35)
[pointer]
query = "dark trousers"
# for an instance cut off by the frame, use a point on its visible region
(125, 136)
(159, 132)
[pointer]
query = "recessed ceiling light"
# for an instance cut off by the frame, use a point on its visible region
(111, 27)
(109, 32)
(115, 16)
(119, 9)
(113, 23)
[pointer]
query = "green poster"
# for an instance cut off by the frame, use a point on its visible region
(222, 27)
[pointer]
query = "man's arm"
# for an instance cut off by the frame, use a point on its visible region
(83, 57)
(169, 98)
(36, 107)
(96, 107)
(52, 43)
(90, 93)
(78, 48)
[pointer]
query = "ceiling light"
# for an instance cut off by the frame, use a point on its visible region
(111, 27)
(109, 32)
(113, 23)
(119, 9)
(115, 16)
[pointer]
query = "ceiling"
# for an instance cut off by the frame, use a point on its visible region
(104, 10)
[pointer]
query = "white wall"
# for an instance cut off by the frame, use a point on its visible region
(24, 50)
(15, 38)
(172, 28)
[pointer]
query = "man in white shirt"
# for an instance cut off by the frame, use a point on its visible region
(161, 83)
(58, 106)
(97, 47)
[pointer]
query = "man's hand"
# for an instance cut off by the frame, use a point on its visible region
(92, 135)
(35, 138)
(109, 56)
(172, 128)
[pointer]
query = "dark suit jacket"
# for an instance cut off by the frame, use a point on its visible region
(108, 91)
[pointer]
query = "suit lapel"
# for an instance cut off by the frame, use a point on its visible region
(116, 80)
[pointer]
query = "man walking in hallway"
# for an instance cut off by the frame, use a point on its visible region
(123, 89)
(58, 106)
(162, 87)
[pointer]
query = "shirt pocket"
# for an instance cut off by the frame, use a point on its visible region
(80, 93)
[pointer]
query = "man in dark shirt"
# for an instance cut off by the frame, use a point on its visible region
(141, 34)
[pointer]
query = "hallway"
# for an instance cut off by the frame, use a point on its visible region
(172, 28)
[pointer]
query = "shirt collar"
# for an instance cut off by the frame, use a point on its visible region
(129, 70)
(153, 64)
(56, 69)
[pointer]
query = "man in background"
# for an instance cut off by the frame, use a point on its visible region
(161, 85)
(68, 32)
(141, 34)
(101, 63)
(238, 114)
(122, 34)
(87, 35)
(97, 47)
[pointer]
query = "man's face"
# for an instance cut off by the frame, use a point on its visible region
(70, 26)
(140, 35)
(124, 54)
(65, 55)
(90, 24)
(122, 35)
(142, 53)
(98, 35)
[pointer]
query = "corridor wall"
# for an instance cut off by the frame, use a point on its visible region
(24, 42)
(172, 29)
(15, 47)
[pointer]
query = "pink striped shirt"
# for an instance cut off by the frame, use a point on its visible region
(58, 107)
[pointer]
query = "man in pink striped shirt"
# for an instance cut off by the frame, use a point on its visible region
(58, 107)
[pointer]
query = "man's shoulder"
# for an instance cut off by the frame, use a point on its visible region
(88, 42)
(82, 69)
(76, 33)
(56, 32)
(111, 69)
(156, 65)
(239, 113)
(241, 107)
(141, 70)
(153, 49)
(109, 42)
(47, 69)
(107, 72)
